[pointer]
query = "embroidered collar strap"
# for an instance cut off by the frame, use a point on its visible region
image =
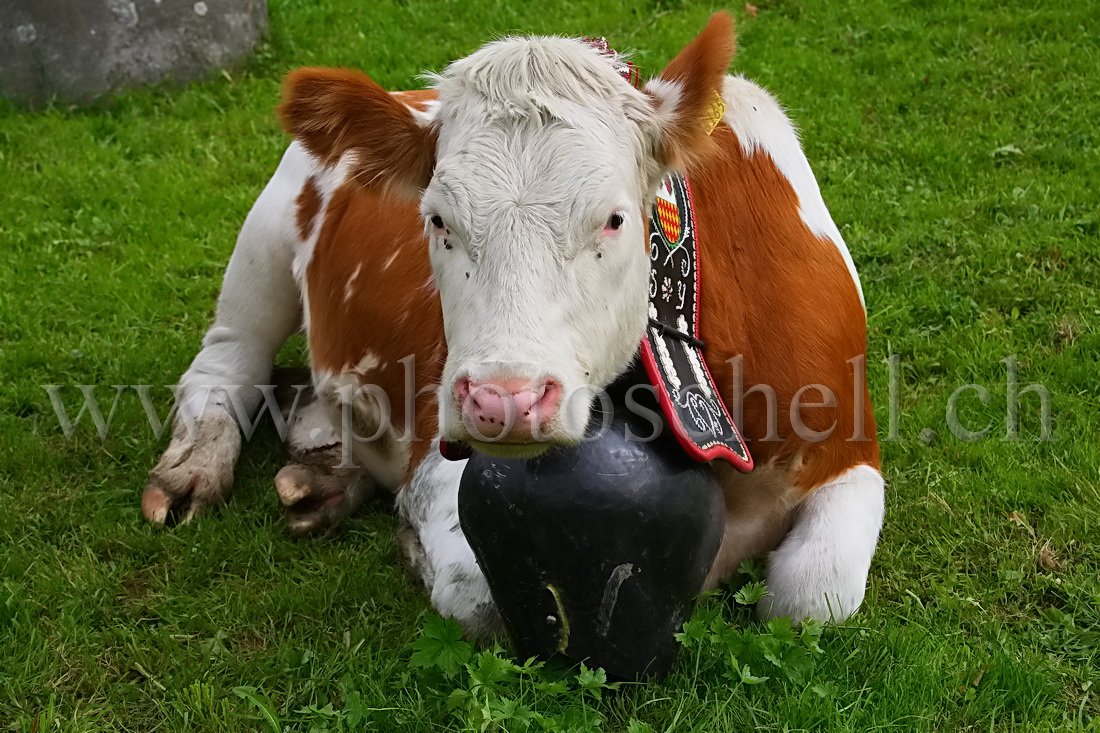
(672, 352)
(626, 69)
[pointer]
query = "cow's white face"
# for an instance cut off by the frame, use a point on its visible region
(536, 174)
(536, 220)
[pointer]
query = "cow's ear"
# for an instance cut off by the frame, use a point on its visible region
(334, 111)
(687, 95)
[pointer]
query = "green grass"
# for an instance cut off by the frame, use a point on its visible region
(956, 144)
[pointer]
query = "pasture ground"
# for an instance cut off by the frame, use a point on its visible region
(957, 147)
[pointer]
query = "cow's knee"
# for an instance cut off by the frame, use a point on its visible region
(820, 568)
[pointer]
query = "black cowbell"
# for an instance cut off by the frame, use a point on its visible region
(596, 551)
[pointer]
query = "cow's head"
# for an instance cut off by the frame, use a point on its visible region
(535, 176)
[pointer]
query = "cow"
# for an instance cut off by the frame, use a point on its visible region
(471, 262)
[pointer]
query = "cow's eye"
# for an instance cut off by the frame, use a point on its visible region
(437, 221)
(615, 222)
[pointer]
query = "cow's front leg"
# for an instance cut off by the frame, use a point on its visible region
(258, 308)
(820, 568)
(437, 553)
(320, 486)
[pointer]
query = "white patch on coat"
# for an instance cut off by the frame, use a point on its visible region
(256, 308)
(761, 124)
(349, 290)
(427, 114)
(304, 166)
(327, 180)
(820, 569)
(368, 363)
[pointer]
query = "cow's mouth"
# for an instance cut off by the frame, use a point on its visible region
(508, 447)
(502, 449)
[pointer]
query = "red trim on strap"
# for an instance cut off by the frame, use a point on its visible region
(718, 450)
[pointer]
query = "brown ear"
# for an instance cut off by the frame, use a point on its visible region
(689, 93)
(333, 111)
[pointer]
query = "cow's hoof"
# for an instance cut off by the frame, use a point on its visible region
(172, 499)
(317, 499)
(194, 474)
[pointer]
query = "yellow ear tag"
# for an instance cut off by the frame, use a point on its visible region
(714, 113)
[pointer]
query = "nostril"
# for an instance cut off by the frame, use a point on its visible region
(481, 399)
(462, 389)
(551, 393)
(540, 401)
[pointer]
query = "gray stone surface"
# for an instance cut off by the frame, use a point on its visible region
(77, 50)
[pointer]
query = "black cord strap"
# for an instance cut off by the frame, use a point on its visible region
(666, 330)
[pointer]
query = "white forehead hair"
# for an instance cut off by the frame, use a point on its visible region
(548, 109)
(539, 78)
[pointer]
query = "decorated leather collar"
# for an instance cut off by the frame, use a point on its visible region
(671, 351)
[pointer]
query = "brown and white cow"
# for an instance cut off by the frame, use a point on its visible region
(487, 239)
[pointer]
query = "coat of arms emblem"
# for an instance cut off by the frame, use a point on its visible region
(668, 212)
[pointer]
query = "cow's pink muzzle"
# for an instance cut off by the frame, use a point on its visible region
(513, 410)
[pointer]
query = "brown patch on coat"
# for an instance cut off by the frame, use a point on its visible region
(774, 292)
(391, 314)
(307, 207)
